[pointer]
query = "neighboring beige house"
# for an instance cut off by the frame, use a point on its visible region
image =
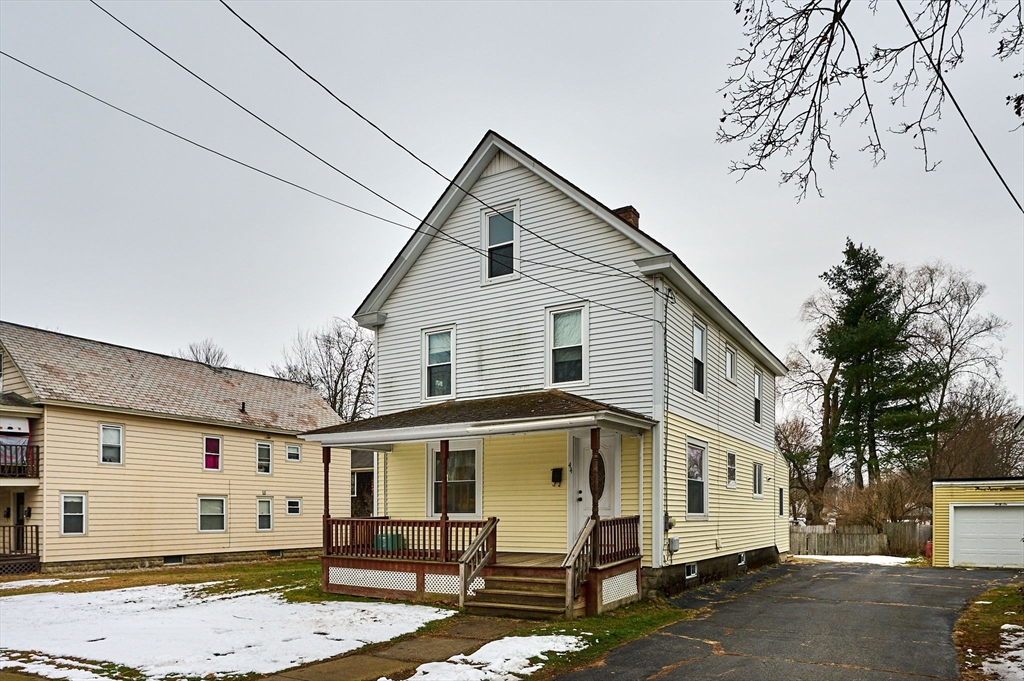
(978, 523)
(537, 337)
(111, 456)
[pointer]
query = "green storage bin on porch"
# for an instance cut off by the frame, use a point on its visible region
(389, 542)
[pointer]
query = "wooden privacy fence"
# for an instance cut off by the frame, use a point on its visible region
(895, 539)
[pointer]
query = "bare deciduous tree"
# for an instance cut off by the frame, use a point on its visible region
(787, 83)
(207, 352)
(338, 362)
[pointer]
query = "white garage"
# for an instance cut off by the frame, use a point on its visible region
(987, 536)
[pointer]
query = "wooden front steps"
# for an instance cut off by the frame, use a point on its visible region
(520, 597)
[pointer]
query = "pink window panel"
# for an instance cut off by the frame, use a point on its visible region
(212, 458)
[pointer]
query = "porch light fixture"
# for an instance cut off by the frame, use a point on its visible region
(28, 512)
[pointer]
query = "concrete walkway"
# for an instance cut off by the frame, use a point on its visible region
(463, 635)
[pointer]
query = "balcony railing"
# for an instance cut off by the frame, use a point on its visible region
(399, 539)
(19, 461)
(19, 540)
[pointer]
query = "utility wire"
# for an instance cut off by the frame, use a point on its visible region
(303, 147)
(938, 73)
(404, 148)
(444, 236)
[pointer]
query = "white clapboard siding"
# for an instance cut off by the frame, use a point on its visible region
(726, 405)
(13, 381)
(501, 327)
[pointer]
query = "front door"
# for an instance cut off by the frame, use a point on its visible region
(19, 521)
(580, 501)
(362, 494)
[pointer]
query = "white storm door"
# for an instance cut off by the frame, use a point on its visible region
(580, 500)
(987, 536)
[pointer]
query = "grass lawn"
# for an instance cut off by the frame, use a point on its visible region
(977, 634)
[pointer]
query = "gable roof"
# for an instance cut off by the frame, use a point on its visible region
(68, 369)
(662, 261)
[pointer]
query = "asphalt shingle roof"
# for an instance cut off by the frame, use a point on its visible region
(547, 403)
(71, 369)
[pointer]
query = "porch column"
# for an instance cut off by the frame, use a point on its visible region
(327, 499)
(444, 501)
(595, 459)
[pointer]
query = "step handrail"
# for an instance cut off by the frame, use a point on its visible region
(577, 565)
(481, 552)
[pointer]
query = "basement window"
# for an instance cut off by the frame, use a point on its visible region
(174, 560)
(741, 560)
(691, 570)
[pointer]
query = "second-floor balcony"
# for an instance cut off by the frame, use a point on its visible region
(19, 461)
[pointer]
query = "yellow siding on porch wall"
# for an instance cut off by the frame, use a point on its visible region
(737, 520)
(943, 496)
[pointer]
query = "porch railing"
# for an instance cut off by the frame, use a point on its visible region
(19, 540)
(481, 553)
(617, 539)
(19, 461)
(577, 565)
(399, 539)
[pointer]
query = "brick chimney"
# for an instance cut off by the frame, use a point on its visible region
(628, 214)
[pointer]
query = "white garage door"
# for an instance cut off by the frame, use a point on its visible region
(988, 536)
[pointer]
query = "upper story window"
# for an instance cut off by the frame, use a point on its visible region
(211, 453)
(730, 364)
(111, 444)
(264, 457)
(501, 242)
(699, 342)
(696, 479)
(757, 396)
(567, 345)
(438, 363)
(293, 453)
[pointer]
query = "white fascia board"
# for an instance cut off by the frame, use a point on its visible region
(370, 439)
(669, 266)
(993, 484)
(371, 320)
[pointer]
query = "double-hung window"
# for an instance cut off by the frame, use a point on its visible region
(439, 363)
(730, 364)
(699, 335)
(111, 444)
(758, 480)
(264, 457)
(293, 453)
(463, 479)
(782, 502)
(730, 469)
(72, 514)
(567, 345)
(500, 240)
(212, 514)
(757, 397)
(264, 514)
(696, 479)
(211, 453)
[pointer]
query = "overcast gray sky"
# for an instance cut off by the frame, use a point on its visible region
(114, 231)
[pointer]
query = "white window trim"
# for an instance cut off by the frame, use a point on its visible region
(699, 323)
(758, 391)
(199, 513)
(485, 244)
(741, 559)
(288, 451)
(757, 480)
(549, 342)
(120, 428)
(287, 505)
(687, 570)
(424, 357)
(434, 448)
(730, 350)
(707, 453)
(85, 514)
(263, 529)
(782, 502)
(271, 446)
(220, 456)
(731, 484)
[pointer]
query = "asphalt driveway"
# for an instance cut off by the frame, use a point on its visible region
(813, 621)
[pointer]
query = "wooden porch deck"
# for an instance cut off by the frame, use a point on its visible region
(528, 560)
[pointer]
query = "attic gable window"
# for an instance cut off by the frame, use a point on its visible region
(501, 243)
(567, 345)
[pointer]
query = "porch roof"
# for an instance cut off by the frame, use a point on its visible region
(526, 412)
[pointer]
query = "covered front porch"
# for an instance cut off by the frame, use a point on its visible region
(533, 508)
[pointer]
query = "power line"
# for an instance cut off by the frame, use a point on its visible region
(444, 236)
(299, 144)
(938, 74)
(418, 158)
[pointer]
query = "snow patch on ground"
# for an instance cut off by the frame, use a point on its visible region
(175, 629)
(504, 660)
(30, 583)
(873, 560)
(1009, 664)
